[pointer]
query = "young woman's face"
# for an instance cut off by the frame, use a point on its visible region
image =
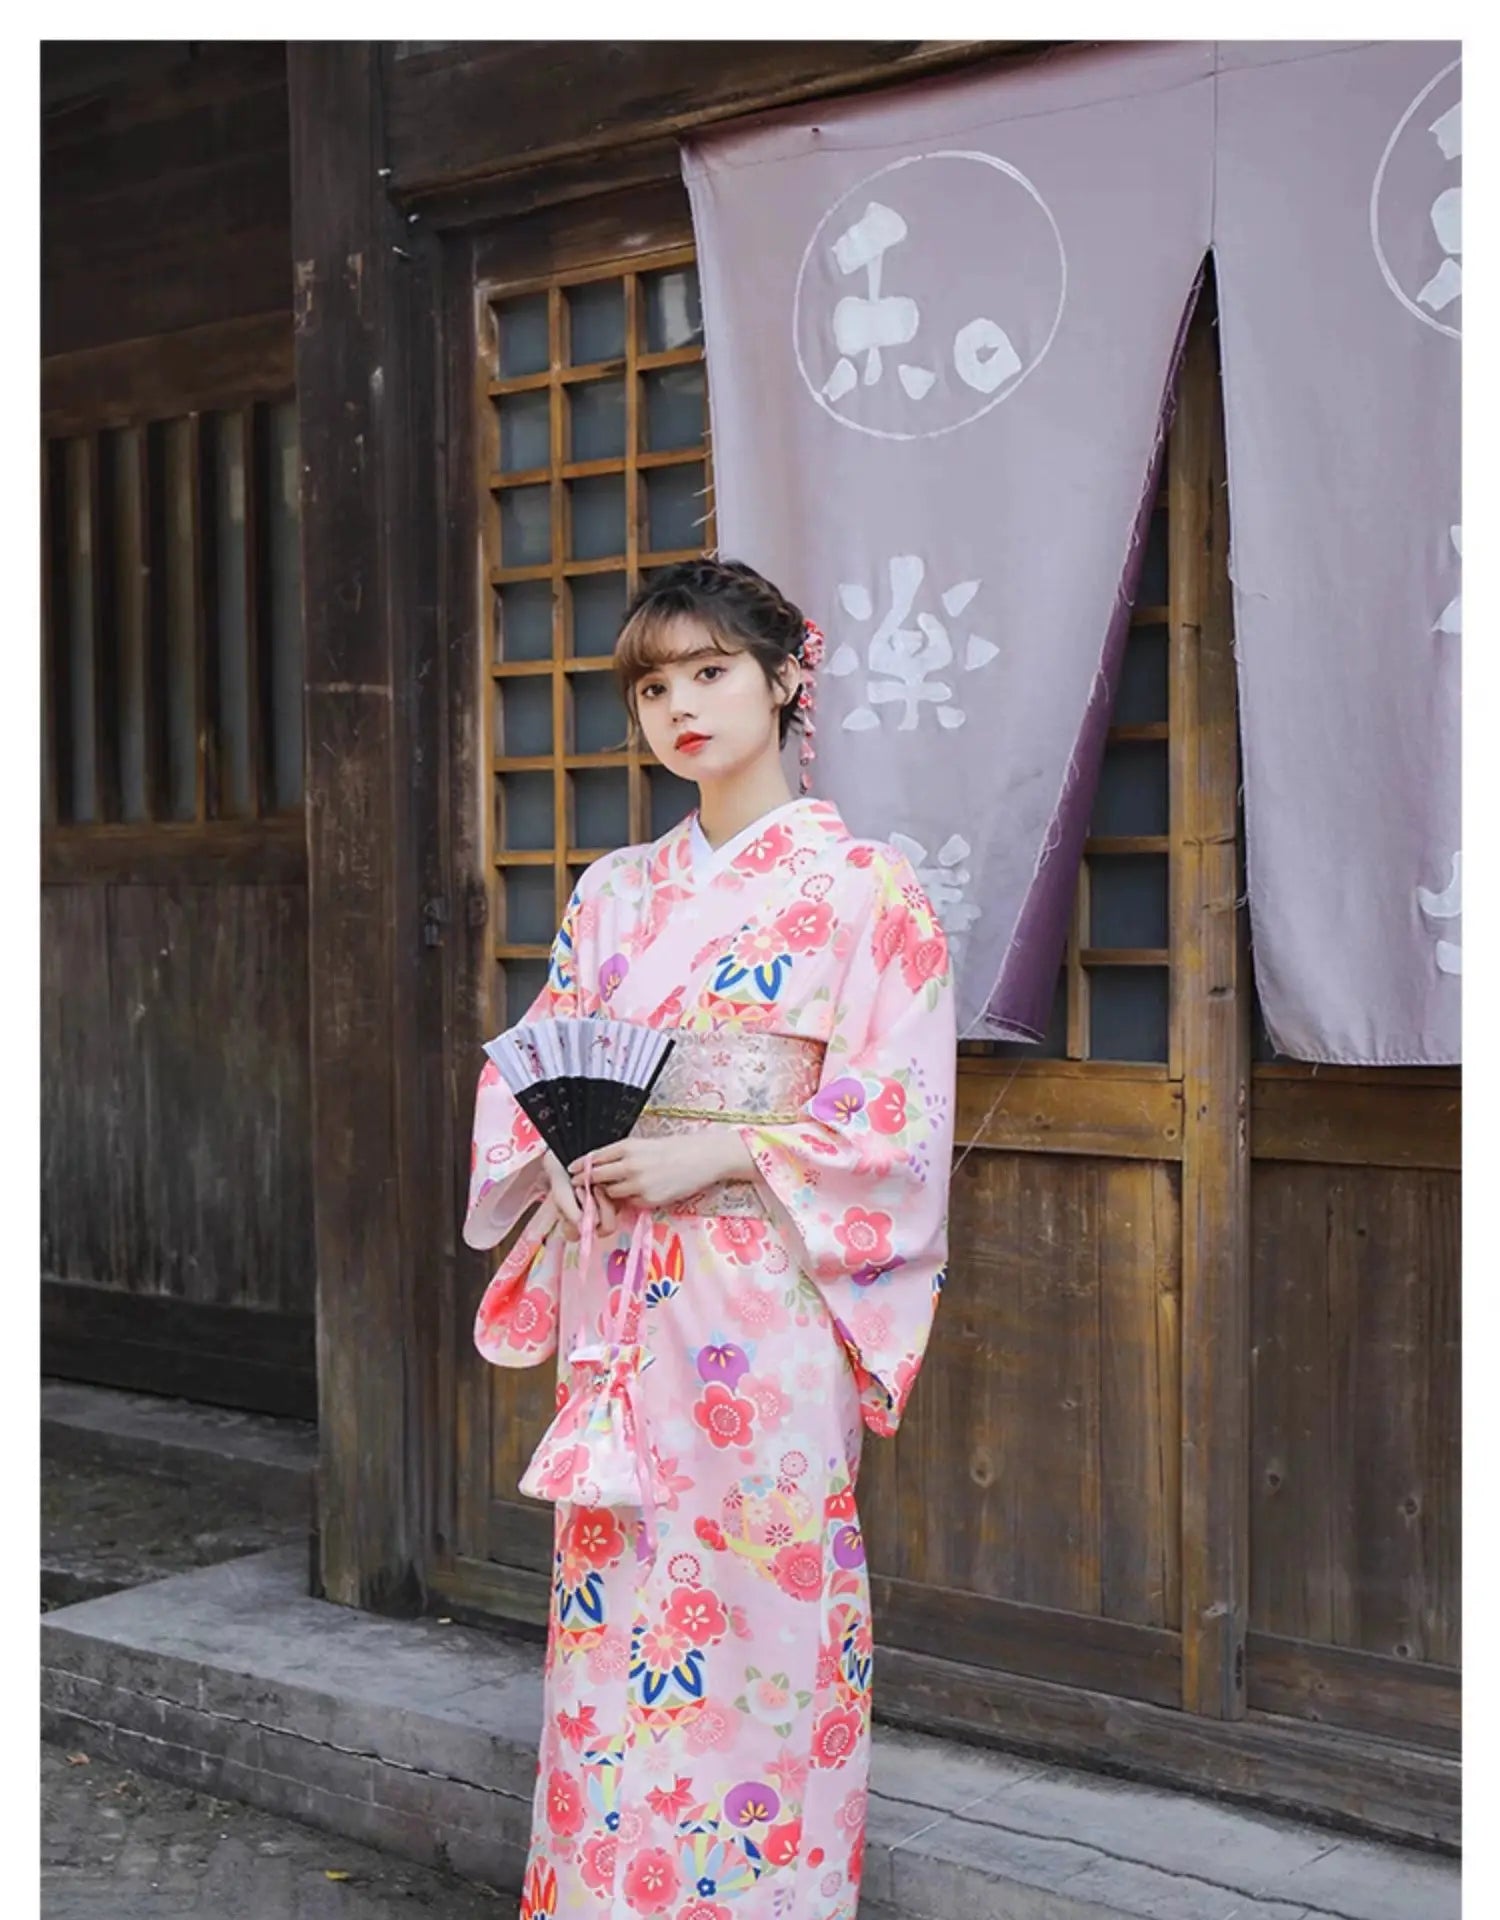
(706, 714)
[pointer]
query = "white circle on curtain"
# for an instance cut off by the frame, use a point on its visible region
(926, 295)
(1416, 204)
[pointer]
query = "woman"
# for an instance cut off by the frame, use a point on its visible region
(707, 1724)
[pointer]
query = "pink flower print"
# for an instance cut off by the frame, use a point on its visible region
(865, 1237)
(828, 1666)
(727, 1363)
(924, 960)
(709, 1532)
(809, 1377)
(758, 945)
(713, 1730)
(805, 927)
(594, 1535)
(836, 1736)
(860, 856)
(685, 1569)
(489, 1073)
(770, 1699)
(663, 1645)
(766, 851)
(789, 1770)
(611, 974)
(893, 931)
(652, 1880)
(756, 1310)
(669, 1482)
(727, 1420)
(564, 1804)
(703, 1910)
(559, 1472)
(578, 1727)
(872, 1326)
(851, 1812)
(770, 1402)
(597, 1863)
(698, 1615)
(798, 1570)
(739, 1622)
(531, 1320)
(837, 1103)
(739, 1237)
(632, 1826)
(888, 1109)
(672, 1803)
(751, 1804)
(609, 1659)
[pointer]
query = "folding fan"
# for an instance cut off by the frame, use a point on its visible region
(582, 1083)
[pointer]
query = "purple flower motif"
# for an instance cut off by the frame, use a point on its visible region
(611, 974)
(614, 1266)
(750, 1803)
(838, 1102)
(727, 1363)
(849, 1546)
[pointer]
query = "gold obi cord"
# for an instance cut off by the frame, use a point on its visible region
(738, 1079)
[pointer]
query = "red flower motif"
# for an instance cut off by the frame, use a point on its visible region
(531, 1319)
(710, 1533)
(597, 1865)
(766, 852)
(728, 1420)
(861, 856)
(673, 1805)
(782, 1843)
(699, 1614)
(575, 1728)
(865, 1238)
(836, 1736)
(595, 1536)
(924, 960)
(564, 1804)
(887, 1110)
(805, 927)
(652, 1880)
(895, 930)
(839, 1506)
(798, 1570)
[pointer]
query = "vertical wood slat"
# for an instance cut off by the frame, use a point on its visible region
(1078, 978)
(52, 705)
(106, 637)
(562, 809)
(152, 608)
(253, 440)
(201, 543)
(1211, 1021)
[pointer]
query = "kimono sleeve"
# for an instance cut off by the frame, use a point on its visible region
(861, 1180)
(506, 1169)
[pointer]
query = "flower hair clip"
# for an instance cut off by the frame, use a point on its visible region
(811, 656)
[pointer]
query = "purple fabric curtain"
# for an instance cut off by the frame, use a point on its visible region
(1336, 238)
(941, 327)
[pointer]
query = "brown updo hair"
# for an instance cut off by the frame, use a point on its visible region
(742, 610)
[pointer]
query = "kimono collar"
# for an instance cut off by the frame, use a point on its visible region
(810, 822)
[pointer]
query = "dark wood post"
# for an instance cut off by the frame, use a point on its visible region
(1212, 1017)
(368, 429)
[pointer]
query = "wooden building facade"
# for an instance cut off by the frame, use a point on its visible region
(1178, 1493)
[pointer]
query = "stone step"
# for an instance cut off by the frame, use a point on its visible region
(421, 1738)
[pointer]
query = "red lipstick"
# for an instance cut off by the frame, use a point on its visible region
(691, 742)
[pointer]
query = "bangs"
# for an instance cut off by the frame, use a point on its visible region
(647, 641)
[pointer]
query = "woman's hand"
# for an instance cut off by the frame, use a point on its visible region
(655, 1172)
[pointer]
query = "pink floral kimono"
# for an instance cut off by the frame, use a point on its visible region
(706, 1739)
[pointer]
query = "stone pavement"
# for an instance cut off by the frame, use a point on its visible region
(118, 1845)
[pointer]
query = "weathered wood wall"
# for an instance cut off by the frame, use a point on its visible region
(176, 1110)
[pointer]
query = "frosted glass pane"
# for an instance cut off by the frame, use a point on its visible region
(600, 723)
(84, 798)
(1152, 591)
(525, 812)
(281, 609)
(530, 907)
(1128, 1013)
(1128, 900)
(676, 413)
(674, 309)
(671, 799)
(524, 621)
(598, 610)
(233, 673)
(123, 454)
(524, 716)
(596, 322)
(1132, 797)
(601, 807)
(523, 337)
(675, 508)
(598, 420)
(525, 432)
(182, 637)
(522, 981)
(598, 516)
(525, 526)
(1141, 699)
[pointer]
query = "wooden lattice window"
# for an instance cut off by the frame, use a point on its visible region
(595, 446)
(171, 621)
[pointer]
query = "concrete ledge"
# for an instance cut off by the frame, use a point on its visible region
(259, 1461)
(422, 1739)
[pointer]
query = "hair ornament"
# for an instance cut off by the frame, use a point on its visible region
(811, 655)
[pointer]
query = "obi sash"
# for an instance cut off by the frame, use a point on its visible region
(597, 1451)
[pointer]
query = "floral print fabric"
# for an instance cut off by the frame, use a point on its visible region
(706, 1738)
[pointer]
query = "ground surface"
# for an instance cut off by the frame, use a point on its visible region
(117, 1845)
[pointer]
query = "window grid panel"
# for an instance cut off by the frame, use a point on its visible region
(602, 793)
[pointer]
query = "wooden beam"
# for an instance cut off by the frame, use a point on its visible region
(1096, 1113)
(1212, 1015)
(366, 380)
(195, 853)
(167, 374)
(1349, 1124)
